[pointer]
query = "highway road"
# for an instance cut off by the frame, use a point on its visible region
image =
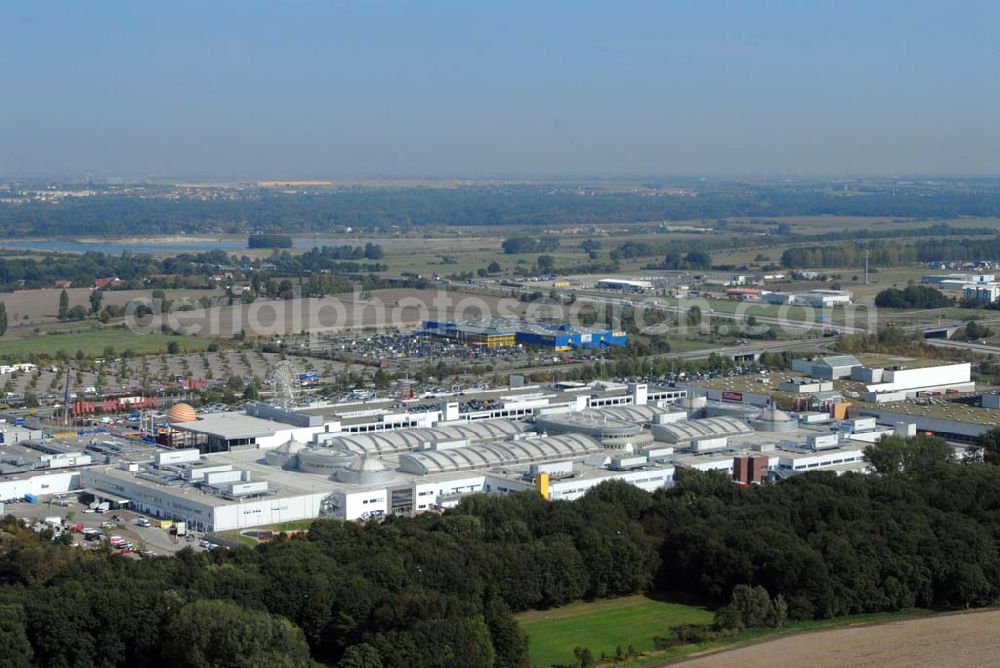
(966, 345)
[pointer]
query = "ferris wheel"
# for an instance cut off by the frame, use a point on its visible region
(285, 383)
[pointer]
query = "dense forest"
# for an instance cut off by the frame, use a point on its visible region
(439, 590)
(386, 208)
(893, 254)
(847, 255)
(913, 296)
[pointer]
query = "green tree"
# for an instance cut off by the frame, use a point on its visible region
(918, 455)
(223, 633)
(510, 643)
(251, 392)
(974, 331)
(749, 607)
(362, 655)
(584, 657)
(95, 301)
(382, 380)
(63, 305)
(694, 315)
(3, 318)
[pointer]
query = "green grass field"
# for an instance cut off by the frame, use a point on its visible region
(602, 626)
(93, 342)
(634, 620)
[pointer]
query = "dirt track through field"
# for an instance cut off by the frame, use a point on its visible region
(956, 641)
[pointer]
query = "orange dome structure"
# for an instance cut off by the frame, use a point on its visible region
(181, 413)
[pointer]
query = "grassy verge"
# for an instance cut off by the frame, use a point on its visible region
(297, 525)
(687, 345)
(236, 535)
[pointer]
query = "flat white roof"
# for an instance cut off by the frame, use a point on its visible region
(232, 425)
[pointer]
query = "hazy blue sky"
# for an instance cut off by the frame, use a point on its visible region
(478, 88)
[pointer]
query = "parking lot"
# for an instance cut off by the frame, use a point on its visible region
(155, 373)
(152, 540)
(408, 351)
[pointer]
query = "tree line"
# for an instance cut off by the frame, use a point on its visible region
(187, 269)
(333, 259)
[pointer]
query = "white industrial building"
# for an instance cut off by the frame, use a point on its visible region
(820, 298)
(625, 285)
(799, 385)
(963, 279)
(823, 298)
(274, 466)
(14, 433)
(38, 483)
(26, 470)
(887, 385)
(833, 367)
(259, 425)
(986, 292)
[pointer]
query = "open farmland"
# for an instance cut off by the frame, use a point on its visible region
(39, 306)
(958, 641)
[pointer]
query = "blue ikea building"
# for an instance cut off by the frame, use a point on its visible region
(557, 337)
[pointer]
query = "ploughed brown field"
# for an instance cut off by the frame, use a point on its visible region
(957, 641)
(42, 305)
